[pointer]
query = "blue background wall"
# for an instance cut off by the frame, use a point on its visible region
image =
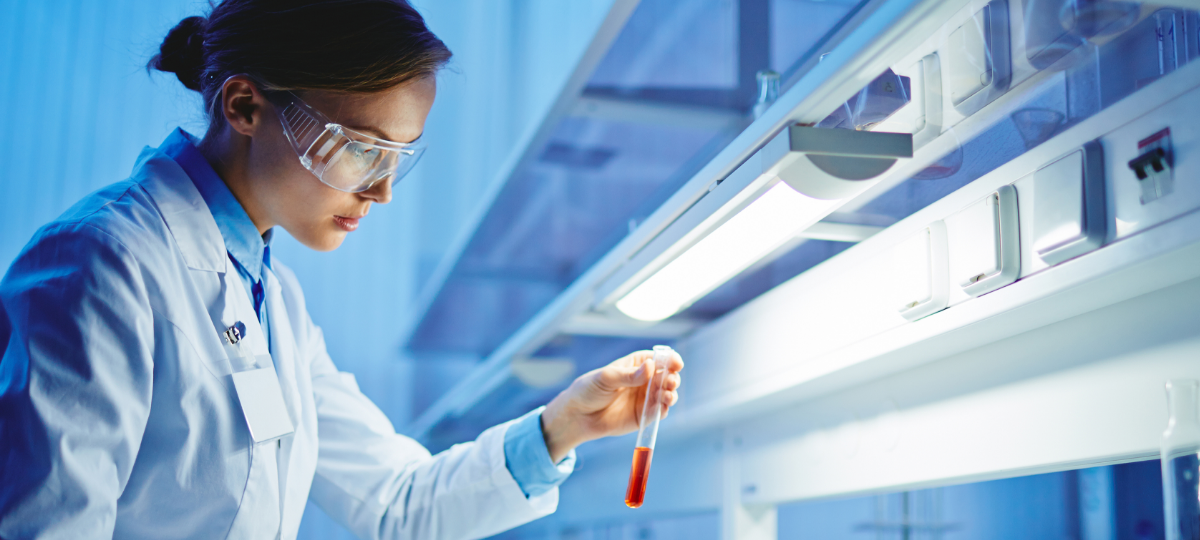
(78, 106)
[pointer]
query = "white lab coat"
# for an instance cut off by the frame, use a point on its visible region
(128, 422)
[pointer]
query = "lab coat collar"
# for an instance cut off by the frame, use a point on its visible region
(240, 234)
(183, 210)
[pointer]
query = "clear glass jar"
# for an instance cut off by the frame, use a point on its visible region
(1180, 461)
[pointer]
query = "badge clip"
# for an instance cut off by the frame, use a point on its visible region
(235, 333)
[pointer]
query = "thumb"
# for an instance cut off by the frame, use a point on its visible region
(623, 377)
(642, 374)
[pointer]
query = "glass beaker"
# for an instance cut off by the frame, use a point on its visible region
(1180, 462)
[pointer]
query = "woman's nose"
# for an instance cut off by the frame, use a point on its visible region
(381, 192)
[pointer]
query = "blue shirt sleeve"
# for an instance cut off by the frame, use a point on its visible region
(528, 459)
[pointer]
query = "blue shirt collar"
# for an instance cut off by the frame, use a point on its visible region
(245, 246)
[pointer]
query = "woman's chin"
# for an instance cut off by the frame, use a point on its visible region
(323, 240)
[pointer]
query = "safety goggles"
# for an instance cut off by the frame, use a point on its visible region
(342, 158)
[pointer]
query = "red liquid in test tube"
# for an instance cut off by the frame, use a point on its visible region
(639, 472)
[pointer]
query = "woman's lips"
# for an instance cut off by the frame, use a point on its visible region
(347, 224)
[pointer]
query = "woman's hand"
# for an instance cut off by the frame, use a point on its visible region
(605, 402)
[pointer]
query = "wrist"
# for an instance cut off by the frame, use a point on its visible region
(560, 433)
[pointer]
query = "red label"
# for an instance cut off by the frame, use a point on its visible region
(1166, 132)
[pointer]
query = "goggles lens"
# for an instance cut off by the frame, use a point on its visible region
(344, 159)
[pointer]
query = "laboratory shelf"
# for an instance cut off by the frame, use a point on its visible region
(1062, 369)
(860, 45)
(650, 104)
(805, 357)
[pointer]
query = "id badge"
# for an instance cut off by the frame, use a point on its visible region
(260, 395)
(262, 403)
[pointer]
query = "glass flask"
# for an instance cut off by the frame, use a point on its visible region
(1180, 463)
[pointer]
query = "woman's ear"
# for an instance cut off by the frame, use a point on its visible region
(242, 105)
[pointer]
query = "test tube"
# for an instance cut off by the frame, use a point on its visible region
(635, 494)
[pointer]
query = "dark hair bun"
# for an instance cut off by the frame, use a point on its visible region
(182, 52)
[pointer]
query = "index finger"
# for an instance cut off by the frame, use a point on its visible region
(636, 358)
(675, 364)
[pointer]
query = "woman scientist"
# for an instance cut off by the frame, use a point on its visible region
(160, 376)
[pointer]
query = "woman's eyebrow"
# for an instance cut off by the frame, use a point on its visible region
(374, 131)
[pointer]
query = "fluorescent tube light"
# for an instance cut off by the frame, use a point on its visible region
(792, 182)
(777, 216)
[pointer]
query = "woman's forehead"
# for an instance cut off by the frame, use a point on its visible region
(396, 114)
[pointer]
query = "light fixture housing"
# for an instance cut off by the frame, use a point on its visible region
(775, 217)
(795, 180)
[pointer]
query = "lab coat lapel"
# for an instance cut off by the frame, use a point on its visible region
(202, 249)
(283, 351)
(183, 210)
(257, 517)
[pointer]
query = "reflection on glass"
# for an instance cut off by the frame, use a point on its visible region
(946, 166)
(818, 17)
(1046, 41)
(669, 44)
(1180, 465)
(1037, 125)
(1095, 18)
(1119, 502)
(909, 516)
(969, 58)
(1164, 32)
(871, 105)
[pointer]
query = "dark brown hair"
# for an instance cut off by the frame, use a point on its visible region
(358, 46)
